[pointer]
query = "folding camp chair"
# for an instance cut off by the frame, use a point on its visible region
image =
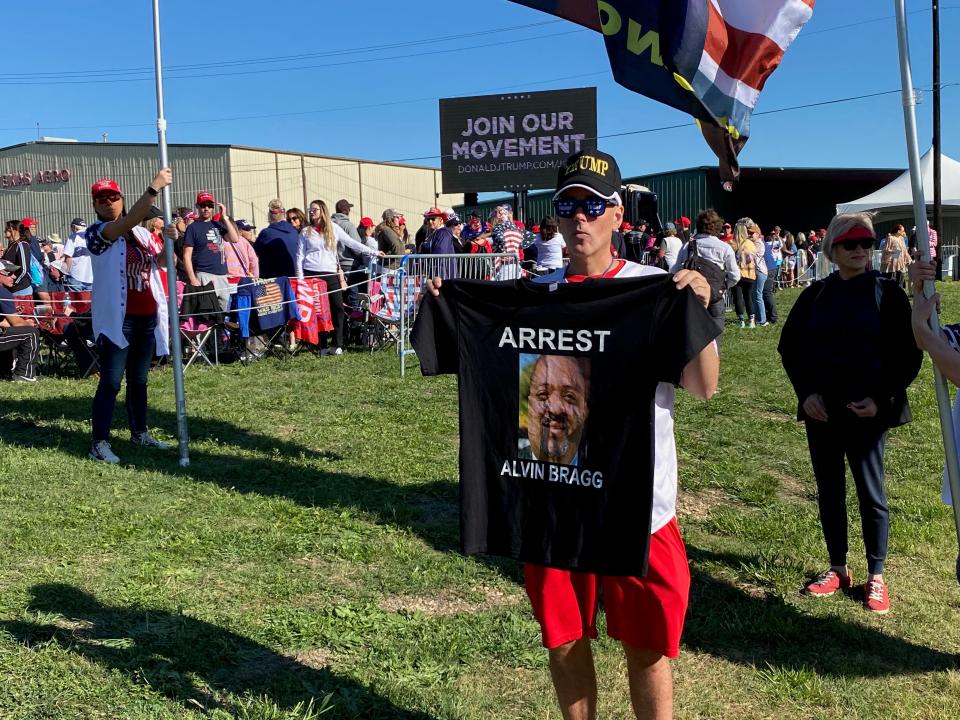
(66, 333)
(201, 319)
(392, 315)
(263, 308)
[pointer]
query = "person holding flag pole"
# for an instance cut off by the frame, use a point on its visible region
(925, 309)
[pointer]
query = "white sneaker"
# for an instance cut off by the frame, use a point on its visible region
(337, 351)
(145, 439)
(101, 452)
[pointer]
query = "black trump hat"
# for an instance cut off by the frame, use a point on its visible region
(591, 170)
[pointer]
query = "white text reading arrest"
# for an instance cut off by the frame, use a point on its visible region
(547, 339)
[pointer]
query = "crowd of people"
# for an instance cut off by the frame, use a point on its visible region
(214, 251)
(850, 347)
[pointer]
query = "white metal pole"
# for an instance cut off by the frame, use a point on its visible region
(923, 244)
(174, 312)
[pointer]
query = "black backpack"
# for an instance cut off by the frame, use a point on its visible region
(715, 276)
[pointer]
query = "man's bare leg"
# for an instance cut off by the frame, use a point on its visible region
(651, 683)
(574, 679)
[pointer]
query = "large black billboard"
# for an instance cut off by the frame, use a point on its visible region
(513, 142)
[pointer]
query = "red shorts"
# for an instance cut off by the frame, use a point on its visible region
(645, 613)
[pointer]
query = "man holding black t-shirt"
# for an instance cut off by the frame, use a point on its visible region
(625, 475)
(203, 253)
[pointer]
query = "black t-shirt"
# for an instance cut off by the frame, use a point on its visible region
(206, 239)
(557, 390)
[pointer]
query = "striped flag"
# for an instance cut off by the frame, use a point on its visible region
(708, 58)
(267, 294)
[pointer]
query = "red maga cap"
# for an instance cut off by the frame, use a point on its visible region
(434, 212)
(204, 196)
(366, 222)
(28, 222)
(857, 232)
(104, 186)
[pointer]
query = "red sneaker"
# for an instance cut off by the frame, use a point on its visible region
(876, 598)
(827, 584)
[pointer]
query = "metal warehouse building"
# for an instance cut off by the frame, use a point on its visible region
(796, 199)
(50, 180)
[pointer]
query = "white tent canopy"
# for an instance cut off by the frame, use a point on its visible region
(895, 201)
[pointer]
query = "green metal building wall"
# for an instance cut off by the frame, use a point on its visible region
(684, 192)
(796, 199)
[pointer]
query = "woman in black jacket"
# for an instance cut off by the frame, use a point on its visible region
(848, 349)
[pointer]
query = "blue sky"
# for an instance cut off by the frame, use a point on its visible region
(386, 109)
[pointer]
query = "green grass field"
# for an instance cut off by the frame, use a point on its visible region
(305, 564)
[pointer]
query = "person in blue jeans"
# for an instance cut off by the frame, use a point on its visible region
(762, 274)
(129, 309)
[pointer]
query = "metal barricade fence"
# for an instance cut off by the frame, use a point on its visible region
(415, 270)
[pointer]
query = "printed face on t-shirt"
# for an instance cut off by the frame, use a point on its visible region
(556, 405)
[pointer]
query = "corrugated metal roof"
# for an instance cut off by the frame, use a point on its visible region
(218, 145)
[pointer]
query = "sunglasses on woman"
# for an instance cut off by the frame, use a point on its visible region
(851, 245)
(592, 207)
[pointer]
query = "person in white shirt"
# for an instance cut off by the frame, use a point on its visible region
(129, 309)
(589, 203)
(317, 256)
(550, 245)
(670, 244)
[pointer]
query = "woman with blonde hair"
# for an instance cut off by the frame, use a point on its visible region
(317, 257)
(745, 250)
(894, 259)
(848, 349)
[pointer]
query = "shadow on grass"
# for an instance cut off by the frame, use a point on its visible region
(189, 660)
(723, 620)
(760, 630)
(428, 509)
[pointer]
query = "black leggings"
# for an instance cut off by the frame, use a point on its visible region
(336, 307)
(743, 295)
(861, 443)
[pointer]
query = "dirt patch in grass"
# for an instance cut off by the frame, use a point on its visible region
(697, 505)
(314, 658)
(446, 603)
(789, 487)
(753, 591)
(774, 415)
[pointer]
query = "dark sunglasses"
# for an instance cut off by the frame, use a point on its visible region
(851, 245)
(205, 205)
(592, 207)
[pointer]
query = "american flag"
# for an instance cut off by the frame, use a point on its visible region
(707, 58)
(267, 292)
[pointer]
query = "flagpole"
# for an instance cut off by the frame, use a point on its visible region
(173, 311)
(923, 244)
